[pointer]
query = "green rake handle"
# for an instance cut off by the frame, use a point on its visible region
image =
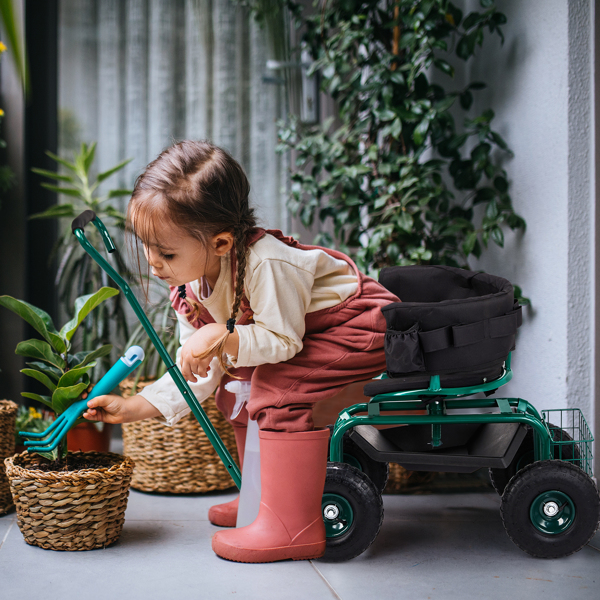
(77, 226)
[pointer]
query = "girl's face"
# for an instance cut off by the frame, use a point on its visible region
(178, 258)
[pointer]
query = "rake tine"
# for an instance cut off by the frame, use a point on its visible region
(55, 440)
(43, 434)
(51, 437)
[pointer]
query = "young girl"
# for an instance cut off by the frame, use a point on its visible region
(300, 322)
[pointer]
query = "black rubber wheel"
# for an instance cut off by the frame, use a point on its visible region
(525, 456)
(354, 455)
(550, 509)
(352, 512)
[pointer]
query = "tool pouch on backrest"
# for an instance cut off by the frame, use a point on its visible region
(450, 320)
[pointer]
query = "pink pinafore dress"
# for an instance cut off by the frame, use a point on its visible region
(342, 344)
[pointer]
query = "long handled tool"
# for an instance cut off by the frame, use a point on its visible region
(78, 227)
(47, 440)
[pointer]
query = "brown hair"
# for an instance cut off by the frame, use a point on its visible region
(204, 191)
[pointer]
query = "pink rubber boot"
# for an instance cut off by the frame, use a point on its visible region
(289, 523)
(225, 515)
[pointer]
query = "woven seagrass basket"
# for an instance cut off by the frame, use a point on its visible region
(70, 510)
(8, 415)
(178, 459)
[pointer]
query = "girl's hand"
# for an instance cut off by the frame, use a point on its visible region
(199, 342)
(115, 409)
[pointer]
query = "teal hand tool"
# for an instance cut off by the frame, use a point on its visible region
(78, 227)
(47, 440)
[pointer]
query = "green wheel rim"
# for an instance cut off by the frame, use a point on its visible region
(338, 515)
(352, 461)
(552, 512)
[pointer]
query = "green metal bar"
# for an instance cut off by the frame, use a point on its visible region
(348, 421)
(175, 373)
(434, 388)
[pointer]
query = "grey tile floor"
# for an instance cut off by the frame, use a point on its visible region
(442, 547)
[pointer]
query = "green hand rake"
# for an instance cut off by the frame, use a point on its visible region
(78, 228)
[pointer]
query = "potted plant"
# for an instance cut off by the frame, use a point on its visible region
(77, 273)
(65, 501)
(179, 459)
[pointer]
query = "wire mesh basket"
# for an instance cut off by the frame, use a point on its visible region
(572, 438)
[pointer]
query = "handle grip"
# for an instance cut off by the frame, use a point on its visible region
(87, 216)
(119, 371)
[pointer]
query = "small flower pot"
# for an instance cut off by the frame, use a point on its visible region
(78, 509)
(89, 437)
(8, 415)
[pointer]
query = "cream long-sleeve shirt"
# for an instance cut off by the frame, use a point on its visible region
(282, 284)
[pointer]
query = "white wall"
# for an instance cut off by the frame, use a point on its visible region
(540, 87)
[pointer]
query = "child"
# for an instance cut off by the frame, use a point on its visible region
(299, 321)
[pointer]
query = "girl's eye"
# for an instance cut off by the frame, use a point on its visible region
(167, 256)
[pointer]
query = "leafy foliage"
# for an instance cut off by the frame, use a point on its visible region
(78, 274)
(401, 179)
(65, 375)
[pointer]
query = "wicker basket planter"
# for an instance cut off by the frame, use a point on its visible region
(179, 459)
(70, 510)
(8, 415)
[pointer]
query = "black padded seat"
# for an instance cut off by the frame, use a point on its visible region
(421, 381)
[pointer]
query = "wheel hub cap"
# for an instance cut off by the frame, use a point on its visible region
(338, 515)
(552, 512)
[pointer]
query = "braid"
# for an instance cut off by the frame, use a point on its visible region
(240, 235)
(240, 258)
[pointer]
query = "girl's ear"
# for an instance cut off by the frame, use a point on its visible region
(222, 243)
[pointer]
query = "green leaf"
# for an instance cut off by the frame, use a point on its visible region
(62, 398)
(53, 175)
(41, 351)
(62, 190)
(499, 140)
(61, 161)
(41, 377)
(83, 358)
(501, 184)
(420, 132)
(56, 212)
(405, 221)
(469, 243)
(73, 375)
(43, 399)
(52, 372)
(88, 156)
(498, 236)
(444, 66)
(83, 306)
(118, 193)
(491, 211)
(466, 99)
(477, 85)
(37, 318)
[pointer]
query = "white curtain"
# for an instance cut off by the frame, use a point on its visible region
(136, 75)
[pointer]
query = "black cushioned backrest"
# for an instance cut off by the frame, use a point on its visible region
(436, 283)
(448, 320)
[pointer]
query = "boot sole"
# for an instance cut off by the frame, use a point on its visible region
(266, 555)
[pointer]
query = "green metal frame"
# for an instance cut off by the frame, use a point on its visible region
(172, 368)
(513, 410)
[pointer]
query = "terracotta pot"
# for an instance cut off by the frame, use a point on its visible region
(86, 437)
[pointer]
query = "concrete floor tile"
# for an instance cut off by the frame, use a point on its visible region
(443, 547)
